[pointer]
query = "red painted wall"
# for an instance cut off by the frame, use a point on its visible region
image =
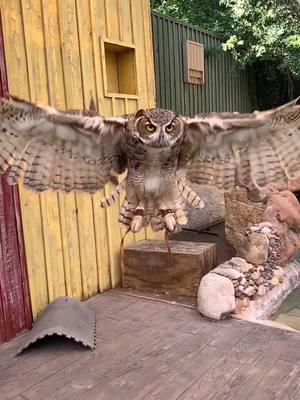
(15, 314)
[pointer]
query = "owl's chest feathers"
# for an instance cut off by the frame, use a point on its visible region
(152, 172)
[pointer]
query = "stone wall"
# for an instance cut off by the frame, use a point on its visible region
(266, 236)
(240, 214)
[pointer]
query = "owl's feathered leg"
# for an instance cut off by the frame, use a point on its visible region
(126, 212)
(188, 194)
(107, 201)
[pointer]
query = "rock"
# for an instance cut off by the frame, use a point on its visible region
(261, 291)
(249, 291)
(275, 281)
(230, 273)
(283, 211)
(245, 302)
(266, 230)
(243, 281)
(238, 306)
(241, 288)
(261, 280)
(255, 248)
(264, 224)
(240, 264)
(235, 283)
(279, 272)
(216, 298)
(255, 275)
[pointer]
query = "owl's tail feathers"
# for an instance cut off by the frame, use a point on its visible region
(108, 200)
(188, 194)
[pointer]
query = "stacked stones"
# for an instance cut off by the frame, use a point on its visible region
(250, 281)
(261, 249)
(258, 271)
(257, 281)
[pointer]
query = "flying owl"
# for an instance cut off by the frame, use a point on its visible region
(51, 149)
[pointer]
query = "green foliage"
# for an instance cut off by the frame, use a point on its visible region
(252, 30)
(204, 13)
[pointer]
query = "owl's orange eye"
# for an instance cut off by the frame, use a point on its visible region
(170, 128)
(150, 127)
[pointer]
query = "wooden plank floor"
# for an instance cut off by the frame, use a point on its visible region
(153, 350)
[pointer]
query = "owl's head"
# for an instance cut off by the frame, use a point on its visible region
(157, 127)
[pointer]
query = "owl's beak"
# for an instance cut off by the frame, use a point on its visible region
(161, 138)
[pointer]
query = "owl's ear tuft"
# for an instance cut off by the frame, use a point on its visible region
(140, 113)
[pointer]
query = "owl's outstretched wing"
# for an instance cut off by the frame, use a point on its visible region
(233, 149)
(47, 148)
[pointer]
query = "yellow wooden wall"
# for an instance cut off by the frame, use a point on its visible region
(54, 55)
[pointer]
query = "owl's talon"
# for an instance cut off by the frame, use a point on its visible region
(137, 221)
(169, 219)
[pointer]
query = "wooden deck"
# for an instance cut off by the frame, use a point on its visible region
(153, 350)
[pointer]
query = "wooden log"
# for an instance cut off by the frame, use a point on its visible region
(149, 266)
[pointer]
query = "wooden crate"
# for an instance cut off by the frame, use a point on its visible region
(149, 266)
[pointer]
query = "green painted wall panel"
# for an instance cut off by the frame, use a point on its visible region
(226, 88)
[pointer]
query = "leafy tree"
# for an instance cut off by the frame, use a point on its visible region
(260, 33)
(204, 13)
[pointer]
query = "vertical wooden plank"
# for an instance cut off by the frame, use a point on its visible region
(125, 21)
(37, 72)
(70, 53)
(89, 89)
(183, 85)
(176, 77)
(18, 83)
(66, 203)
(223, 80)
(98, 29)
(11, 284)
(215, 77)
(15, 311)
(74, 97)
(161, 55)
(143, 40)
(141, 56)
(71, 251)
(53, 53)
(3, 335)
(22, 257)
(108, 109)
(156, 59)
(167, 64)
(89, 270)
(114, 231)
(14, 305)
(112, 19)
(130, 106)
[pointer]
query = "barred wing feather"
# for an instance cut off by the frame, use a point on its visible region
(249, 150)
(47, 148)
